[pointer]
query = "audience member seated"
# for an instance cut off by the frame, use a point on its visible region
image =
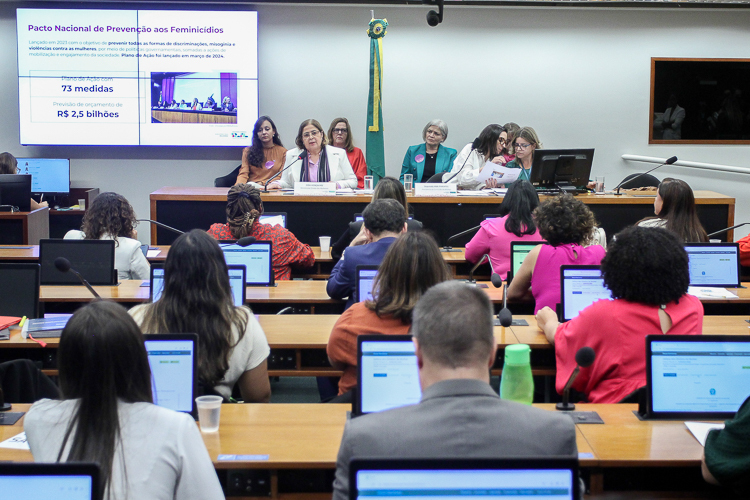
(726, 458)
(244, 208)
(459, 415)
(110, 217)
(567, 225)
(384, 220)
(469, 162)
(411, 266)
(264, 157)
(525, 143)
(387, 187)
(744, 250)
(515, 223)
(340, 136)
(431, 157)
(9, 165)
(646, 269)
(314, 161)
(107, 416)
(674, 207)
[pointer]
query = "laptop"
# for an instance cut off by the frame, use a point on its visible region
(61, 481)
(580, 286)
(387, 374)
(551, 478)
(94, 259)
(273, 218)
(23, 281)
(360, 217)
(236, 283)
(256, 257)
(173, 359)
(365, 279)
(714, 264)
(518, 251)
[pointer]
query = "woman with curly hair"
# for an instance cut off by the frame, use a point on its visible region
(674, 207)
(244, 208)
(646, 269)
(264, 157)
(567, 225)
(110, 217)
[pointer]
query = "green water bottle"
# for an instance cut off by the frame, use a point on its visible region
(516, 383)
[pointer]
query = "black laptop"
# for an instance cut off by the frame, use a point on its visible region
(94, 259)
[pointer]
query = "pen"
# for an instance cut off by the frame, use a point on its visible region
(23, 320)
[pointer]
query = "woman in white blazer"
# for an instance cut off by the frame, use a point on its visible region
(313, 161)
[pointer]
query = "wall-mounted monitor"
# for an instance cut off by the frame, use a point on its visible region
(48, 175)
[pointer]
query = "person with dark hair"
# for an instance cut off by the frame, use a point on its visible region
(106, 415)
(487, 147)
(264, 157)
(9, 165)
(726, 456)
(244, 208)
(646, 269)
(674, 207)
(567, 224)
(314, 161)
(431, 157)
(111, 217)
(195, 105)
(509, 153)
(232, 347)
(340, 136)
(384, 221)
(459, 415)
(515, 223)
(387, 187)
(525, 142)
(411, 266)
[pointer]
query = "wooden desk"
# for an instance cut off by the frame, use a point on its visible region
(24, 228)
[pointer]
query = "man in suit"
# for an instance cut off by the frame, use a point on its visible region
(460, 415)
(384, 220)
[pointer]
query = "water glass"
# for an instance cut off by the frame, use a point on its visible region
(408, 183)
(369, 184)
(209, 412)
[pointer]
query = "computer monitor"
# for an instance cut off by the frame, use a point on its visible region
(48, 175)
(236, 283)
(365, 279)
(518, 251)
(564, 169)
(360, 217)
(256, 257)
(273, 218)
(173, 359)
(94, 259)
(387, 373)
(15, 190)
(580, 286)
(19, 287)
(690, 377)
(714, 264)
(40, 481)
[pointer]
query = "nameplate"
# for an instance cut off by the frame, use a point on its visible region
(315, 188)
(435, 189)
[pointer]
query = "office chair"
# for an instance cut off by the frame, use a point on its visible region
(227, 180)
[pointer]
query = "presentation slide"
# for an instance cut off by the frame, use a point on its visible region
(137, 77)
(390, 377)
(713, 266)
(581, 289)
(171, 364)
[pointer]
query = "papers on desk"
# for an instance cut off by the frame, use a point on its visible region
(151, 253)
(700, 430)
(711, 292)
(345, 191)
(17, 442)
(502, 174)
(468, 192)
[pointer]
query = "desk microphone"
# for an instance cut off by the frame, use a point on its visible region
(584, 358)
(247, 240)
(448, 248)
(168, 228)
(728, 229)
(505, 316)
(63, 265)
(481, 261)
(474, 146)
(302, 155)
(668, 161)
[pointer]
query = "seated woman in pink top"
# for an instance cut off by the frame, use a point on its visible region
(515, 223)
(567, 225)
(646, 269)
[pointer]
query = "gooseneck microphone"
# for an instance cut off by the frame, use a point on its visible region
(474, 146)
(448, 248)
(728, 229)
(584, 358)
(156, 223)
(669, 161)
(505, 316)
(247, 240)
(479, 263)
(63, 265)
(302, 155)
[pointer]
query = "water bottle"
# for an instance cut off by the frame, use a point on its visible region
(516, 383)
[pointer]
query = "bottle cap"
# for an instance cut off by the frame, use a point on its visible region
(518, 354)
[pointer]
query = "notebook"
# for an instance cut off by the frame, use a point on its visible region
(387, 373)
(518, 251)
(365, 279)
(61, 481)
(94, 259)
(23, 281)
(174, 370)
(691, 377)
(714, 264)
(580, 286)
(428, 479)
(236, 283)
(273, 218)
(257, 259)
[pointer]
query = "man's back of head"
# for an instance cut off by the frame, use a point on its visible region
(384, 216)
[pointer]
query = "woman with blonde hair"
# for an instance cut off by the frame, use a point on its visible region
(524, 144)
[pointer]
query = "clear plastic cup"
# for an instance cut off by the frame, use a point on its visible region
(82, 204)
(325, 243)
(209, 412)
(408, 183)
(369, 184)
(599, 184)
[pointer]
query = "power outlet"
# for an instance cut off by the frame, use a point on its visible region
(248, 483)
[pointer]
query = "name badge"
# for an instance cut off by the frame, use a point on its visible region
(435, 189)
(315, 188)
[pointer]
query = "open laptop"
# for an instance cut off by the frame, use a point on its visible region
(360, 217)
(550, 478)
(714, 264)
(580, 286)
(387, 375)
(61, 481)
(173, 359)
(690, 377)
(273, 218)
(236, 283)
(365, 280)
(256, 257)
(20, 289)
(518, 251)
(94, 259)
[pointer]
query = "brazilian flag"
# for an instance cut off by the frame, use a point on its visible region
(375, 147)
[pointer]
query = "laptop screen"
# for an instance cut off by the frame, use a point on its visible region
(257, 259)
(61, 481)
(48, 175)
(365, 280)
(274, 218)
(388, 375)
(173, 362)
(518, 251)
(714, 264)
(94, 259)
(236, 283)
(580, 286)
(698, 376)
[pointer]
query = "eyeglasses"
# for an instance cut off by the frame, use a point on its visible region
(339, 131)
(434, 132)
(522, 145)
(314, 133)
(502, 141)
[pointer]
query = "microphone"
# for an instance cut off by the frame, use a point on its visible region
(728, 229)
(302, 155)
(448, 248)
(481, 261)
(168, 228)
(474, 146)
(668, 161)
(247, 240)
(496, 280)
(63, 265)
(584, 358)
(505, 316)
